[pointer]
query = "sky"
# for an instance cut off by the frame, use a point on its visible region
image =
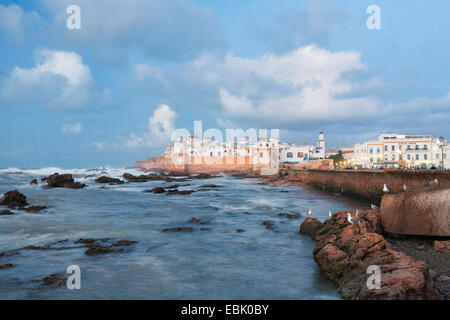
(113, 91)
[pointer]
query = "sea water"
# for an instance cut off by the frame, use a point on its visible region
(217, 263)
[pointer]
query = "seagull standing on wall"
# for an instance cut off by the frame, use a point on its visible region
(374, 207)
(405, 187)
(330, 214)
(352, 220)
(385, 189)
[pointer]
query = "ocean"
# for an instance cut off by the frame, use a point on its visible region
(214, 261)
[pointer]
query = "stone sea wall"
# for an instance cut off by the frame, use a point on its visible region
(368, 184)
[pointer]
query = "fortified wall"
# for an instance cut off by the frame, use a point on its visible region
(369, 184)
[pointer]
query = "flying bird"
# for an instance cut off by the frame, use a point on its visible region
(352, 220)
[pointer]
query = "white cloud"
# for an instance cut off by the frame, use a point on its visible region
(15, 23)
(59, 81)
(159, 129)
(72, 128)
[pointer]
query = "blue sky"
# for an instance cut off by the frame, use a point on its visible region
(113, 91)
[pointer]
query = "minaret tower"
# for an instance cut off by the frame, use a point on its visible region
(322, 145)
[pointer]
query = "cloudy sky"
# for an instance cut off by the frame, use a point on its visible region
(112, 92)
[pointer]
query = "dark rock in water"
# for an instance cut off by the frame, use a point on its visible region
(210, 186)
(284, 191)
(63, 181)
(85, 241)
(109, 180)
(289, 215)
(310, 227)
(178, 229)
(176, 191)
(156, 190)
(6, 266)
(143, 177)
(268, 224)
(122, 243)
(36, 247)
(55, 280)
(240, 230)
(6, 213)
(33, 209)
(96, 249)
(204, 229)
(45, 179)
(13, 199)
(33, 182)
(203, 176)
(175, 186)
(194, 220)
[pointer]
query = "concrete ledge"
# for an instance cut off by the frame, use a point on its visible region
(424, 213)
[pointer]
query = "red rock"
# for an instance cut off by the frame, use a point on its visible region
(310, 226)
(442, 246)
(344, 251)
(13, 199)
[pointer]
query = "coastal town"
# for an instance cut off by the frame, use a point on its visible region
(388, 151)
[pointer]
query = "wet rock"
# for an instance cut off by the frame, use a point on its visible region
(36, 248)
(13, 199)
(97, 249)
(178, 229)
(176, 191)
(6, 213)
(344, 251)
(85, 241)
(289, 215)
(204, 229)
(143, 177)
(6, 266)
(310, 226)
(197, 221)
(63, 181)
(45, 179)
(203, 176)
(33, 209)
(240, 230)
(33, 182)
(210, 186)
(112, 181)
(123, 243)
(268, 224)
(175, 186)
(442, 246)
(55, 280)
(156, 190)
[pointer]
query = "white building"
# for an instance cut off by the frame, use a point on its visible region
(294, 154)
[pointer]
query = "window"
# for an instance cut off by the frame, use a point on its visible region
(371, 151)
(393, 157)
(408, 147)
(400, 147)
(417, 147)
(300, 155)
(378, 150)
(417, 157)
(378, 160)
(393, 148)
(219, 153)
(400, 157)
(385, 148)
(262, 155)
(289, 155)
(409, 157)
(371, 159)
(425, 147)
(385, 158)
(425, 157)
(437, 155)
(444, 156)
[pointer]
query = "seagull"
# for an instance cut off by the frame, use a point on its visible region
(435, 182)
(309, 212)
(405, 187)
(357, 214)
(352, 220)
(330, 214)
(385, 189)
(374, 207)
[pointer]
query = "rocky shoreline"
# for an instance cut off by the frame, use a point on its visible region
(344, 251)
